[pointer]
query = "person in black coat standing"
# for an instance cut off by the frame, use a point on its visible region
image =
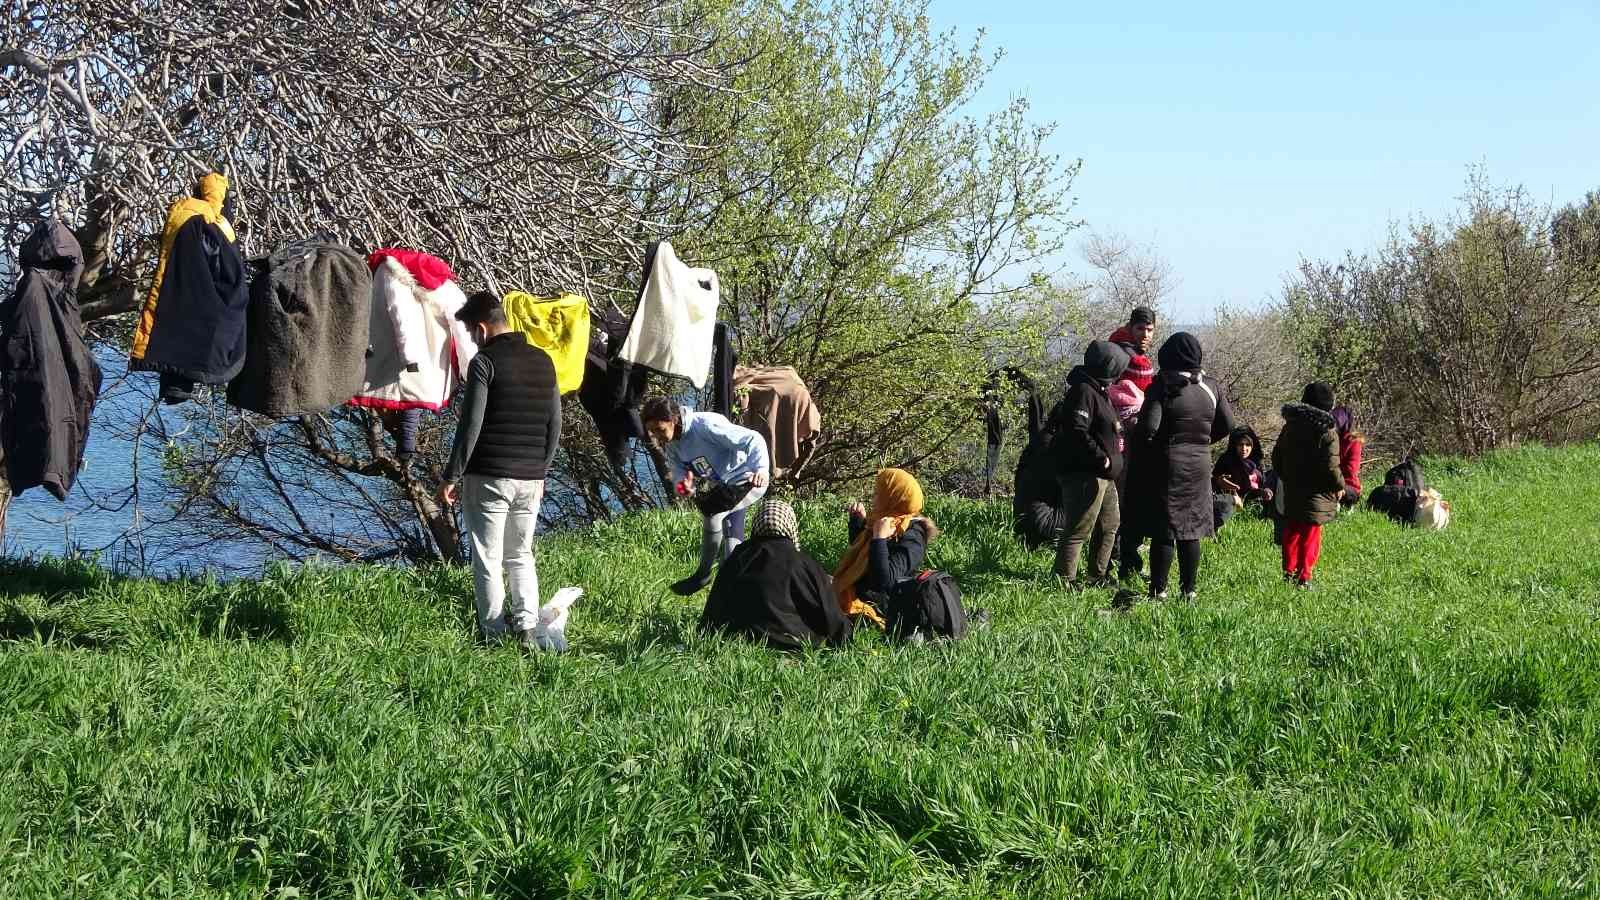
(1169, 476)
(1089, 457)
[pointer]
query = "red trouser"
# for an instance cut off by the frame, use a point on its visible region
(1302, 544)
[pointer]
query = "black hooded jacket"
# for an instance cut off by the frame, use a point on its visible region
(612, 387)
(199, 333)
(1238, 470)
(1169, 475)
(50, 379)
(1088, 430)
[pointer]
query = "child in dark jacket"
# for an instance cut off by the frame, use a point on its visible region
(1239, 476)
(1306, 458)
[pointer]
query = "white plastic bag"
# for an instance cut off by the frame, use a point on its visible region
(1433, 511)
(551, 632)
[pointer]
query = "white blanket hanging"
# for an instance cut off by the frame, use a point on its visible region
(673, 325)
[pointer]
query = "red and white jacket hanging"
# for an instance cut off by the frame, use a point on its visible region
(417, 350)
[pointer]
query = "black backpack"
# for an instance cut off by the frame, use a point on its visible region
(929, 605)
(1408, 474)
(1398, 501)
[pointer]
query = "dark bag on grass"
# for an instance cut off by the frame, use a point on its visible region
(721, 497)
(1398, 501)
(928, 605)
(1408, 474)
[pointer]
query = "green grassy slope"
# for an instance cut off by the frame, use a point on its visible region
(1427, 723)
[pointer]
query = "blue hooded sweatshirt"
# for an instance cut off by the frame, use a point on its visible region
(715, 448)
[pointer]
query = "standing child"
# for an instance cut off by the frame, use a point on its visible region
(1306, 458)
(1351, 443)
(723, 466)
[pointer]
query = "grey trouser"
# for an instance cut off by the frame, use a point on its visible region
(1092, 514)
(501, 514)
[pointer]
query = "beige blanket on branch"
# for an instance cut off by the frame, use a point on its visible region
(776, 404)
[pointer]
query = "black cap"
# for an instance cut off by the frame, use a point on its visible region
(1142, 315)
(1318, 394)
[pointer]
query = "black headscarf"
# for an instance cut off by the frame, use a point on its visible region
(1180, 359)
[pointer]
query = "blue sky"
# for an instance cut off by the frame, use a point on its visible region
(1238, 137)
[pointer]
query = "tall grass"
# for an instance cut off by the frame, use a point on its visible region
(1426, 723)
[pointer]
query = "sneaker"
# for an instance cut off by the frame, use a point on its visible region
(1303, 584)
(1159, 597)
(692, 585)
(1100, 582)
(1191, 596)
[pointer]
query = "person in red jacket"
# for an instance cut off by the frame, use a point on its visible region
(1351, 443)
(1137, 337)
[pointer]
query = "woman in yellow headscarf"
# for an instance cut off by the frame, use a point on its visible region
(888, 544)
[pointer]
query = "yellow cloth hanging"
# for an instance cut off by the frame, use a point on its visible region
(213, 190)
(557, 325)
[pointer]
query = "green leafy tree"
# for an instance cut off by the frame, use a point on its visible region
(866, 229)
(1465, 335)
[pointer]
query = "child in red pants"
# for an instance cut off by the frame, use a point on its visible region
(1306, 458)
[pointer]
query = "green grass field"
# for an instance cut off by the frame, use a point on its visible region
(1427, 724)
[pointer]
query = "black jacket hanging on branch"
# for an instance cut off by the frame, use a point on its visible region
(612, 387)
(199, 330)
(306, 335)
(724, 358)
(50, 379)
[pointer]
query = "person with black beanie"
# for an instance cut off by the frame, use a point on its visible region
(1089, 457)
(1169, 474)
(1306, 458)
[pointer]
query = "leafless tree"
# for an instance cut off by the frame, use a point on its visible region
(1252, 356)
(1124, 274)
(514, 139)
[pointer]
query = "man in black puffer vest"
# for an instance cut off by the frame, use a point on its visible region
(509, 430)
(1088, 447)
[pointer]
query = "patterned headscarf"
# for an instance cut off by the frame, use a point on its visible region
(776, 519)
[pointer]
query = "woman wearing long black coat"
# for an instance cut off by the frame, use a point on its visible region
(1169, 467)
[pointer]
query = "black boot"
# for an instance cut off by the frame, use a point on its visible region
(692, 585)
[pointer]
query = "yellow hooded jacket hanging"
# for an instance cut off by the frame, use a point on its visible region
(557, 325)
(213, 190)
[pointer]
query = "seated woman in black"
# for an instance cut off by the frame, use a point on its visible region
(770, 592)
(887, 545)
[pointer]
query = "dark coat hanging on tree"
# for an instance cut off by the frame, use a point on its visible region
(51, 380)
(199, 329)
(310, 302)
(612, 387)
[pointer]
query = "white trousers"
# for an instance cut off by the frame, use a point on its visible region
(501, 514)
